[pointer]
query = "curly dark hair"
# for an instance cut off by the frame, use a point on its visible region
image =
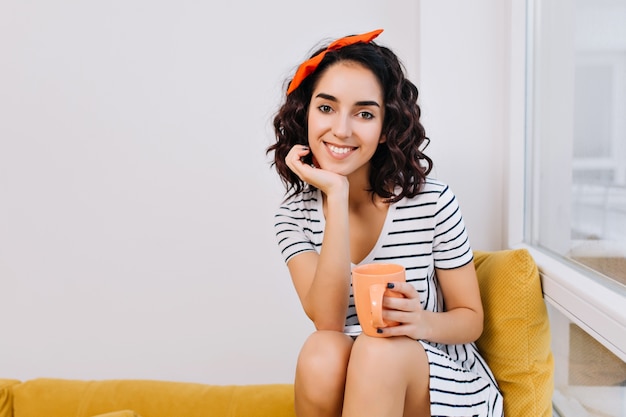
(398, 163)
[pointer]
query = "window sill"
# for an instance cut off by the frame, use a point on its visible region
(595, 306)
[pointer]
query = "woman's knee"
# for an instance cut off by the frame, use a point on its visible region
(324, 353)
(321, 373)
(392, 369)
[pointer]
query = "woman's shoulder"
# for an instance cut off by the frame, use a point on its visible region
(431, 188)
(434, 185)
(432, 192)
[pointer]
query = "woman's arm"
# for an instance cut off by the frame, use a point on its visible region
(323, 281)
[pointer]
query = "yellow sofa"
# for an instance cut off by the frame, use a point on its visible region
(45, 397)
(515, 342)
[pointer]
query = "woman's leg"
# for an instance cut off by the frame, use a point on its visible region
(387, 377)
(321, 374)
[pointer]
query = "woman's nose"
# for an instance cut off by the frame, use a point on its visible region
(341, 127)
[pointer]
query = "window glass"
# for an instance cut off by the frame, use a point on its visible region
(579, 134)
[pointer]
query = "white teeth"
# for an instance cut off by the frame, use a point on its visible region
(338, 150)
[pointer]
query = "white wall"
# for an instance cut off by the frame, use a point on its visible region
(464, 101)
(136, 200)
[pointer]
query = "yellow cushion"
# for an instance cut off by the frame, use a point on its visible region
(516, 336)
(62, 398)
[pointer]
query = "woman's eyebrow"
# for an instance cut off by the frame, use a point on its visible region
(358, 103)
(326, 97)
(367, 103)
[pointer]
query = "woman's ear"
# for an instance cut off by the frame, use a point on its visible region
(382, 139)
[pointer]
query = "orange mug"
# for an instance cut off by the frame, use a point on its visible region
(369, 285)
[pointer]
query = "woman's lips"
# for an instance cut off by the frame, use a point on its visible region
(339, 152)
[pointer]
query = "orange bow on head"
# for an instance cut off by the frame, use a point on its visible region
(308, 66)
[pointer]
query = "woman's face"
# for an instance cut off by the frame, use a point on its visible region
(345, 119)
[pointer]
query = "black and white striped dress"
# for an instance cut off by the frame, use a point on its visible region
(421, 233)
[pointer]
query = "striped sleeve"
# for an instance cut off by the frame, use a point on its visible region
(451, 246)
(297, 226)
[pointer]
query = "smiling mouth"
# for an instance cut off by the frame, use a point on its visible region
(340, 150)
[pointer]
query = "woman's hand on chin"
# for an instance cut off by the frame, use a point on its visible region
(328, 182)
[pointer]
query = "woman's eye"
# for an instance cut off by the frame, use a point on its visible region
(366, 115)
(324, 108)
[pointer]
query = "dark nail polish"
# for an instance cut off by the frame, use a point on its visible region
(390, 285)
(379, 331)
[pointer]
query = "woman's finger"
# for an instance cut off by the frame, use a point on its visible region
(410, 302)
(404, 288)
(401, 304)
(400, 330)
(297, 153)
(294, 159)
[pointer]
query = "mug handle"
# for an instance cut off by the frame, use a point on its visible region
(376, 304)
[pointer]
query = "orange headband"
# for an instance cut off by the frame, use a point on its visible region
(308, 66)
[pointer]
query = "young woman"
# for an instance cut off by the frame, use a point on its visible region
(348, 151)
